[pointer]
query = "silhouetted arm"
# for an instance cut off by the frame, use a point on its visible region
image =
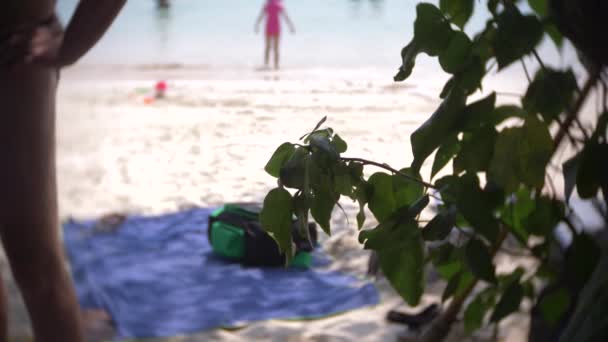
(259, 20)
(289, 23)
(90, 21)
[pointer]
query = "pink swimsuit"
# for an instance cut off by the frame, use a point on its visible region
(273, 10)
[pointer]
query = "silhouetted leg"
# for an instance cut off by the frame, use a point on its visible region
(28, 202)
(275, 46)
(267, 50)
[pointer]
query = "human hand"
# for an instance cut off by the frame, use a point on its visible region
(45, 44)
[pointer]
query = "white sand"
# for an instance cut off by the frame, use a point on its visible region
(208, 142)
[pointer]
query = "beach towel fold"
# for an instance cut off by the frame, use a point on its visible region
(157, 277)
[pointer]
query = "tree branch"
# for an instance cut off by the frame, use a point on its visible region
(539, 60)
(388, 168)
(440, 327)
(526, 70)
(574, 111)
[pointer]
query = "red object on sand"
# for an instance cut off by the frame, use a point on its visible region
(161, 87)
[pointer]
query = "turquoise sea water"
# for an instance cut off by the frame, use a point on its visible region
(219, 33)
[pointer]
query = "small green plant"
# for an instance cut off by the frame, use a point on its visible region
(500, 157)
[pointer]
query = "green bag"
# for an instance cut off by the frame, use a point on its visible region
(235, 233)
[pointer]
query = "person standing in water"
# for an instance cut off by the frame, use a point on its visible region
(163, 3)
(273, 11)
(33, 48)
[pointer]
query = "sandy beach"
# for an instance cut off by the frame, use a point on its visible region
(207, 144)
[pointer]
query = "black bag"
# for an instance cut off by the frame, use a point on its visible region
(234, 232)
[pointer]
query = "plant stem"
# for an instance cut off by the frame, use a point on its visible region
(574, 111)
(539, 60)
(582, 128)
(388, 168)
(523, 63)
(568, 133)
(439, 329)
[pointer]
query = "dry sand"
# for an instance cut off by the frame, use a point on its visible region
(207, 143)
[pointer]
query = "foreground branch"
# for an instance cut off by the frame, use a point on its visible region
(574, 111)
(439, 329)
(388, 168)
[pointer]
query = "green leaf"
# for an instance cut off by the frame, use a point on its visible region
(451, 287)
(408, 57)
(482, 44)
(402, 263)
(466, 280)
(592, 169)
(476, 152)
(544, 218)
(416, 208)
(454, 58)
(581, 260)
(432, 31)
(505, 167)
(550, 93)
(516, 36)
(459, 11)
(477, 309)
(440, 226)
(339, 145)
(448, 87)
(445, 153)
(479, 261)
(506, 280)
(382, 201)
(406, 191)
(323, 202)
(356, 170)
(361, 216)
(521, 155)
(570, 171)
(554, 305)
(476, 206)
(318, 125)
(493, 5)
(601, 129)
(516, 213)
(362, 199)
(343, 180)
(449, 187)
(447, 260)
(379, 237)
(401, 253)
(276, 219)
(469, 79)
(279, 158)
(555, 35)
(508, 303)
(539, 6)
(436, 129)
(479, 114)
(503, 113)
(293, 172)
(448, 270)
(323, 144)
(535, 151)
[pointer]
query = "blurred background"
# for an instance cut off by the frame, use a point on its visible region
(205, 141)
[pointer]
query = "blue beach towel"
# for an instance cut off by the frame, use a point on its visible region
(156, 277)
